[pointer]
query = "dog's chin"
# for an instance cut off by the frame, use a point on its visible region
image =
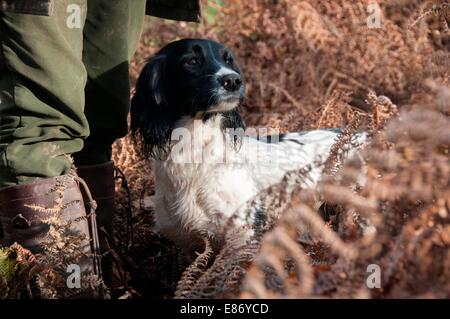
(224, 105)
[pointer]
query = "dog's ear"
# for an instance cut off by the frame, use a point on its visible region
(150, 113)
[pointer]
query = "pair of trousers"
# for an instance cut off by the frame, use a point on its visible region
(64, 85)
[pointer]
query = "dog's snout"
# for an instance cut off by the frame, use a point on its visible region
(231, 82)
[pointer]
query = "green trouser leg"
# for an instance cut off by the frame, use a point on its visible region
(46, 67)
(111, 35)
(42, 80)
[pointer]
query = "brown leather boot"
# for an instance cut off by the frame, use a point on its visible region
(28, 211)
(100, 179)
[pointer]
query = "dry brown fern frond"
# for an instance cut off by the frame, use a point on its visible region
(61, 248)
(382, 110)
(194, 271)
(282, 268)
(44, 275)
(439, 9)
(339, 150)
(223, 278)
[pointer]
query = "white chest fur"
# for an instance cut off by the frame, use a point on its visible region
(197, 193)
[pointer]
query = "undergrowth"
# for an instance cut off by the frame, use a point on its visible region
(311, 64)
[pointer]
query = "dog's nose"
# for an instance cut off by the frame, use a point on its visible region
(231, 82)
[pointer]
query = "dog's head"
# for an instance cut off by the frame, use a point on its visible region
(189, 77)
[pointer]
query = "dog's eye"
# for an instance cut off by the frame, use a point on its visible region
(229, 60)
(192, 61)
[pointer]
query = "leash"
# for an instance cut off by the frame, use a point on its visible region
(91, 216)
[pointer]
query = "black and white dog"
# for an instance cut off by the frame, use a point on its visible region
(186, 110)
